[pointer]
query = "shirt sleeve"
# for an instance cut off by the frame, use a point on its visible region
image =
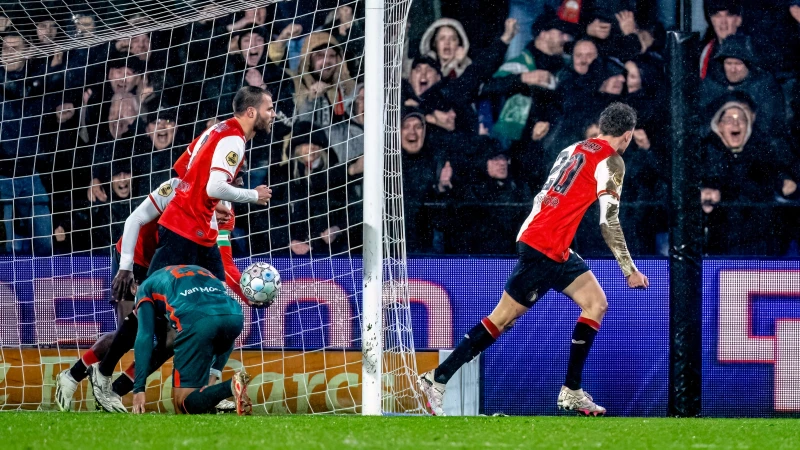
(164, 194)
(219, 188)
(143, 347)
(609, 175)
(145, 213)
(228, 156)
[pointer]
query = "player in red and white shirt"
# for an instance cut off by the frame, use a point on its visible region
(129, 264)
(185, 232)
(134, 250)
(587, 171)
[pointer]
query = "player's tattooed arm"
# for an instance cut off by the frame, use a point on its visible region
(610, 174)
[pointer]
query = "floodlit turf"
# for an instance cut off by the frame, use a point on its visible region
(95, 430)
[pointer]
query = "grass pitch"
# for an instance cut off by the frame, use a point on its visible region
(95, 430)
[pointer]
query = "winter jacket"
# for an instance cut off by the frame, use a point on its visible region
(753, 172)
(759, 85)
(464, 76)
(506, 82)
(330, 107)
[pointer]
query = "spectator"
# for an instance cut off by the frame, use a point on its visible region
(316, 195)
(447, 42)
(108, 216)
(46, 34)
(424, 179)
(526, 12)
(607, 75)
(449, 138)
(124, 78)
(206, 49)
(347, 141)
(114, 144)
(645, 84)
(21, 191)
(346, 23)
(425, 74)
(347, 137)
(741, 73)
(154, 153)
(613, 32)
(529, 80)
(248, 66)
(324, 87)
(742, 165)
(494, 232)
(646, 165)
(160, 84)
(56, 155)
(725, 17)
(577, 83)
(774, 35)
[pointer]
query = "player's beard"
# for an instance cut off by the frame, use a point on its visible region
(264, 124)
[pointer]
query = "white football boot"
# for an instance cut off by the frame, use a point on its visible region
(105, 399)
(579, 401)
(225, 406)
(434, 391)
(65, 390)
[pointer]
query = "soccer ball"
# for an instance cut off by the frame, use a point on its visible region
(261, 284)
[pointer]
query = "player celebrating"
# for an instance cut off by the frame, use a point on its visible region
(583, 172)
(208, 322)
(185, 232)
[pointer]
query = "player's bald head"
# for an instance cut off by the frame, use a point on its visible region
(617, 119)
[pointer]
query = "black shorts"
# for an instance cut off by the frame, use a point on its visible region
(197, 345)
(175, 250)
(535, 274)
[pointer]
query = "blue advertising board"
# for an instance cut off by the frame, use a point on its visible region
(751, 326)
(751, 338)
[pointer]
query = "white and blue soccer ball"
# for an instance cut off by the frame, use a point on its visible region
(261, 284)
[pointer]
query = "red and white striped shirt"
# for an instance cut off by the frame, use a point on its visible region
(219, 148)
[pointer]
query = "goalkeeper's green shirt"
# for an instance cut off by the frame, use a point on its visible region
(186, 294)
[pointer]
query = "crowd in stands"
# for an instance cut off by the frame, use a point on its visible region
(87, 133)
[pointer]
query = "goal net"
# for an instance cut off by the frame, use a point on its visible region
(99, 100)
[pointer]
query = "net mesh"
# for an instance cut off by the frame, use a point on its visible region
(99, 101)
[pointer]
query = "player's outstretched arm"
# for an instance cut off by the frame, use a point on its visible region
(142, 350)
(609, 175)
(146, 212)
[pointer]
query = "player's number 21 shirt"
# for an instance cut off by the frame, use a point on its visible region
(576, 180)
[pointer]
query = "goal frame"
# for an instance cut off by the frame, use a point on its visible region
(374, 121)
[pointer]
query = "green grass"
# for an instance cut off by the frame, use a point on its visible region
(122, 432)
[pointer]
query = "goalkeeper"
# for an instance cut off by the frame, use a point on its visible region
(207, 322)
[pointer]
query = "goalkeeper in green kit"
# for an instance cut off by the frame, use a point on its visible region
(207, 322)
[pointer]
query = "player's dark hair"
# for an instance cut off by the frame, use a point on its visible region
(248, 97)
(616, 119)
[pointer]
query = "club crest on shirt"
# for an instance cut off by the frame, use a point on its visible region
(165, 190)
(232, 158)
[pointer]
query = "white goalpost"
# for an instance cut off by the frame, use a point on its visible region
(372, 333)
(100, 98)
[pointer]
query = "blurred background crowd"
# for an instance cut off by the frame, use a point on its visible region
(488, 100)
